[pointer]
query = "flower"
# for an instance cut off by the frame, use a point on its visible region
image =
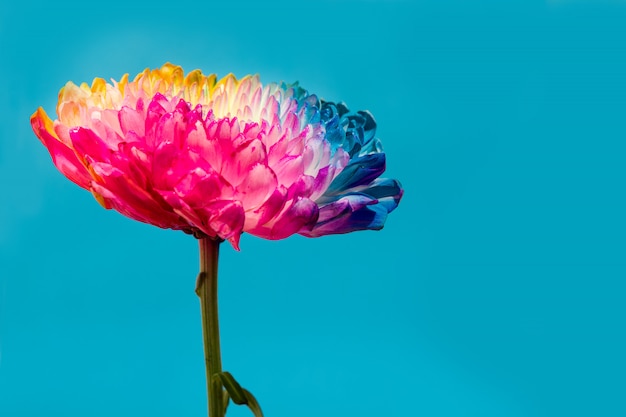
(221, 157)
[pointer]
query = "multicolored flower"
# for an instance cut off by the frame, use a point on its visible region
(221, 157)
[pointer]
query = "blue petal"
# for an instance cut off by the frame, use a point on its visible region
(387, 191)
(373, 146)
(369, 125)
(335, 127)
(366, 218)
(359, 171)
(349, 214)
(349, 130)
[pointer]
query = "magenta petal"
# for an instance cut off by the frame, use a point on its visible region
(172, 128)
(223, 218)
(170, 164)
(111, 201)
(63, 157)
(348, 214)
(89, 144)
(226, 217)
(301, 187)
(166, 168)
(322, 180)
(198, 187)
(348, 203)
(134, 162)
(186, 212)
(130, 199)
(224, 131)
(300, 214)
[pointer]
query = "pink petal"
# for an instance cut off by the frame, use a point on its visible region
(289, 169)
(316, 155)
(272, 206)
(196, 135)
(260, 182)
(237, 165)
(210, 149)
(156, 110)
(171, 128)
(132, 120)
(298, 214)
(276, 141)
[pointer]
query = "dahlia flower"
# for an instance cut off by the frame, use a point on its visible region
(216, 159)
(221, 157)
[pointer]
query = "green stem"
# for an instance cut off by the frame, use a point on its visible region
(206, 288)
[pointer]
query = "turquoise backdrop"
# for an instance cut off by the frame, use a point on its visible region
(496, 289)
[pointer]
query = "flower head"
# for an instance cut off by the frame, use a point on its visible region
(220, 157)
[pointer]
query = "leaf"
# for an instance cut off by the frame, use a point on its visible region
(239, 395)
(234, 389)
(253, 404)
(225, 400)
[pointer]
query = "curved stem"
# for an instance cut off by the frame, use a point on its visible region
(206, 288)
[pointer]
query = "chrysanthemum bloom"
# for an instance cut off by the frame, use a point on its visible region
(216, 159)
(219, 158)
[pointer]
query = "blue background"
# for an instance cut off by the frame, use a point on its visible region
(497, 288)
